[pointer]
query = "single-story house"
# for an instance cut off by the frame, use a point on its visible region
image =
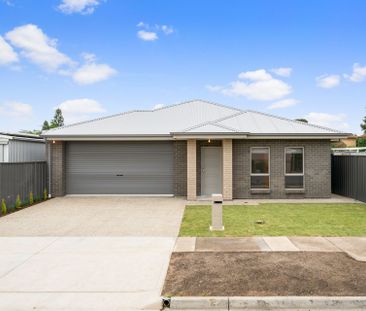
(21, 147)
(192, 149)
(348, 142)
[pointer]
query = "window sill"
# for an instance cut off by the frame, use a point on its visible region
(260, 191)
(295, 191)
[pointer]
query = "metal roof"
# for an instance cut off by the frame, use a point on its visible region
(196, 116)
(4, 136)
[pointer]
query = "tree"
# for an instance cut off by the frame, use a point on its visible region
(361, 142)
(363, 124)
(58, 119)
(302, 120)
(45, 126)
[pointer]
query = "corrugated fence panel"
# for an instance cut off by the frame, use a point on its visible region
(25, 151)
(349, 176)
(22, 178)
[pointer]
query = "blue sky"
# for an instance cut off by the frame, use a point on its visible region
(98, 57)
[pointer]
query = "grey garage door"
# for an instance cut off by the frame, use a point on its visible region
(119, 168)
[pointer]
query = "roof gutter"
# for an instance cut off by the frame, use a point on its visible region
(213, 135)
(191, 135)
(298, 136)
(107, 138)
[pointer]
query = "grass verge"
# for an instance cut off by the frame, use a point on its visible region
(285, 219)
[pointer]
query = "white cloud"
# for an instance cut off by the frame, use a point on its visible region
(288, 102)
(167, 29)
(337, 121)
(328, 81)
(150, 33)
(142, 24)
(78, 6)
(260, 85)
(358, 73)
(76, 110)
(91, 73)
(89, 57)
(282, 71)
(214, 88)
(16, 109)
(38, 47)
(257, 75)
(7, 54)
(147, 35)
(158, 106)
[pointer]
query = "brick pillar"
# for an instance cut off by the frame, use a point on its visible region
(58, 174)
(227, 167)
(191, 169)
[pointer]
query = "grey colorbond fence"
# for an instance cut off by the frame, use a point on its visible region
(22, 178)
(349, 175)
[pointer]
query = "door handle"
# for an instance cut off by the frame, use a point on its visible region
(119, 175)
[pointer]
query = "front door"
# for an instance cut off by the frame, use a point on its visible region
(211, 170)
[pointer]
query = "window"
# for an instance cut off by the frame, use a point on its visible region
(294, 168)
(259, 176)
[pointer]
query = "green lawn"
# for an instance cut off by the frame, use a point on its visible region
(280, 220)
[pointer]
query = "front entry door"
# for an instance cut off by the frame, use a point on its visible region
(211, 170)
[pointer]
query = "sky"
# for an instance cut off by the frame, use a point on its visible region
(91, 58)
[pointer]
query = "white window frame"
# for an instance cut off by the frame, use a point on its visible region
(295, 174)
(261, 174)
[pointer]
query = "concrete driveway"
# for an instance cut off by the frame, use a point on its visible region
(88, 253)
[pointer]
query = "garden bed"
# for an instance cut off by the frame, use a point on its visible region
(265, 274)
(13, 208)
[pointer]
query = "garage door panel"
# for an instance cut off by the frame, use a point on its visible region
(119, 168)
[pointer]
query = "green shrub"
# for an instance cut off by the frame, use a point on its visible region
(361, 142)
(3, 207)
(45, 195)
(31, 199)
(18, 202)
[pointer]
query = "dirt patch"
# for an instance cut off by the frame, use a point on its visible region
(265, 274)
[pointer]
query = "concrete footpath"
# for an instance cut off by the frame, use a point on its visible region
(353, 246)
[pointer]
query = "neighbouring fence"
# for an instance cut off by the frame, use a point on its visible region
(349, 175)
(21, 179)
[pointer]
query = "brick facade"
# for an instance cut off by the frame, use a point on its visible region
(58, 168)
(227, 169)
(191, 169)
(180, 168)
(187, 168)
(317, 169)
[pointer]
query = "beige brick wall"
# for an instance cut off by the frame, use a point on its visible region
(191, 169)
(227, 167)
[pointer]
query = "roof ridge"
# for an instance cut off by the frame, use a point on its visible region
(214, 124)
(198, 100)
(295, 121)
(213, 121)
(225, 127)
(138, 110)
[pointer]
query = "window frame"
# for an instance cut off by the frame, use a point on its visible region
(260, 174)
(295, 174)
